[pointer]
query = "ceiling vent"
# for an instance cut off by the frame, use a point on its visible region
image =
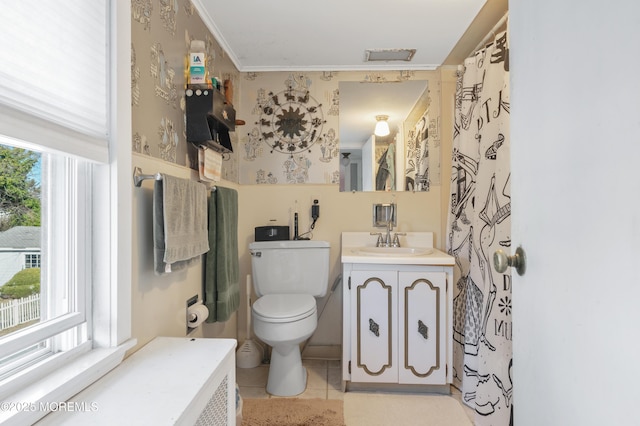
(376, 55)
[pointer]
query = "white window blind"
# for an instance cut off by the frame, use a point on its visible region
(53, 75)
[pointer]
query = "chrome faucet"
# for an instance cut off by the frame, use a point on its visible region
(387, 240)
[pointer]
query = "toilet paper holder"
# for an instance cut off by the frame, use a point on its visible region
(196, 313)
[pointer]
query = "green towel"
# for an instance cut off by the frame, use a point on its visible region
(221, 283)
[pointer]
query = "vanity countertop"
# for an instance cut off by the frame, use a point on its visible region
(353, 244)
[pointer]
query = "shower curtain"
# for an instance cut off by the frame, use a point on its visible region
(478, 225)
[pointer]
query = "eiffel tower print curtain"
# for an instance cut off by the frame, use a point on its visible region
(478, 225)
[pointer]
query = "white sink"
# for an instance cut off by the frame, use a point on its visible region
(393, 251)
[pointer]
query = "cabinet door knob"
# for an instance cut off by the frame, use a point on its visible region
(374, 327)
(423, 330)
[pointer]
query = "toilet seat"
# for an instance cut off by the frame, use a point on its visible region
(284, 307)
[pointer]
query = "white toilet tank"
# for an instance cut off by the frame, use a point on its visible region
(294, 267)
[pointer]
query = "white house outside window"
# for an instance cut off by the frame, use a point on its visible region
(31, 261)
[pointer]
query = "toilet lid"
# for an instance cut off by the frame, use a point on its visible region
(284, 307)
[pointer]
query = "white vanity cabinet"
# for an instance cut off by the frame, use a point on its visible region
(422, 347)
(374, 332)
(397, 320)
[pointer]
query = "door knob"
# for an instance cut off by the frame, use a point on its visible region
(501, 261)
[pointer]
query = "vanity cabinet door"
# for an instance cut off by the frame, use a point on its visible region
(374, 315)
(422, 324)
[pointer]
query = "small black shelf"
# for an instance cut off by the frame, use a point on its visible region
(209, 119)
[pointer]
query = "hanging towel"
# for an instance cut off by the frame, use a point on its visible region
(179, 223)
(201, 173)
(212, 165)
(209, 165)
(222, 284)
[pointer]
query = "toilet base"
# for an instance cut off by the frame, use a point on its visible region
(287, 376)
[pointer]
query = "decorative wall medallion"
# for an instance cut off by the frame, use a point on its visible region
(290, 121)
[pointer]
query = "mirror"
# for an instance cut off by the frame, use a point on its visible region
(387, 163)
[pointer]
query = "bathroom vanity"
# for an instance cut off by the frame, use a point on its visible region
(397, 313)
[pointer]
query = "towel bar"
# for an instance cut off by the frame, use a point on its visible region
(138, 177)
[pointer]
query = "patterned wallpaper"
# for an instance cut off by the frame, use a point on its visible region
(161, 33)
(291, 131)
(291, 135)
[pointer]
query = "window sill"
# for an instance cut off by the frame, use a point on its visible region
(36, 400)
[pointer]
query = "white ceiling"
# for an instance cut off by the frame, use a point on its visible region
(333, 35)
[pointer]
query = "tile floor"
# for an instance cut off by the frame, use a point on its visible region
(324, 381)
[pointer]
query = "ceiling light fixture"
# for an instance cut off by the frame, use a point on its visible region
(389, 55)
(345, 160)
(382, 127)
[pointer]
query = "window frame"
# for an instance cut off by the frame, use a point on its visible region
(66, 274)
(67, 373)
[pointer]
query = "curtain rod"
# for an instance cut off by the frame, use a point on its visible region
(492, 33)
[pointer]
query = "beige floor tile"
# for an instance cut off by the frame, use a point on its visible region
(334, 379)
(455, 393)
(334, 364)
(335, 394)
(316, 377)
(253, 392)
(324, 381)
(252, 376)
(313, 393)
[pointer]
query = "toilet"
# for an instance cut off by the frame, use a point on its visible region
(287, 277)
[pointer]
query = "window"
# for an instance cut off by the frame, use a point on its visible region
(58, 83)
(60, 209)
(31, 261)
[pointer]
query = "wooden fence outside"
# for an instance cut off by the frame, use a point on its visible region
(18, 311)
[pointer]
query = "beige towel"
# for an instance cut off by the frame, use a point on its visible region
(180, 213)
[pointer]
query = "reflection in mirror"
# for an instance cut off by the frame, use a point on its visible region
(383, 163)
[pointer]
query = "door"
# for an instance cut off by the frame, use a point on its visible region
(374, 315)
(575, 140)
(422, 328)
